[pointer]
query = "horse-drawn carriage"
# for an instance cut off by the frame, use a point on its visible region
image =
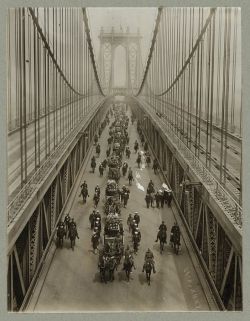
(114, 164)
(113, 226)
(112, 203)
(112, 252)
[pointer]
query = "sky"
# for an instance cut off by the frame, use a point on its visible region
(142, 18)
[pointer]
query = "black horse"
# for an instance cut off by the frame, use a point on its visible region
(107, 267)
(162, 236)
(147, 267)
(128, 265)
(175, 241)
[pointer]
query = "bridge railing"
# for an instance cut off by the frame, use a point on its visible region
(229, 206)
(32, 186)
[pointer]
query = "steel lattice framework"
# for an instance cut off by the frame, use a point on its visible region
(55, 106)
(186, 104)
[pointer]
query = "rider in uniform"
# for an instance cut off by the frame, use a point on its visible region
(149, 256)
(162, 227)
(97, 190)
(127, 252)
(175, 229)
(84, 185)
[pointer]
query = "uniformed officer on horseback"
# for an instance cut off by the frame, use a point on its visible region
(128, 252)
(84, 185)
(162, 228)
(174, 230)
(97, 190)
(149, 256)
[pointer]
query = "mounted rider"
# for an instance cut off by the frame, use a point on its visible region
(127, 252)
(97, 190)
(128, 257)
(162, 229)
(149, 257)
(175, 230)
(84, 185)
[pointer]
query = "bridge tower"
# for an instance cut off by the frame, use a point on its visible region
(109, 41)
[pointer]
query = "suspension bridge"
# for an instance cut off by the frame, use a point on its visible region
(186, 97)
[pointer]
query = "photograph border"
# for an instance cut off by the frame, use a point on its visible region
(133, 316)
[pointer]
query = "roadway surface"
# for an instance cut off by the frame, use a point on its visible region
(70, 280)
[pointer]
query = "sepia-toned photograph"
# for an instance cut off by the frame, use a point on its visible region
(124, 147)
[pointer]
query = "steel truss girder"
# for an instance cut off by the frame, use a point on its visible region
(28, 250)
(220, 258)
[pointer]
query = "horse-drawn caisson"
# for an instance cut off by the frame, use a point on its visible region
(112, 202)
(112, 252)
(114, 164)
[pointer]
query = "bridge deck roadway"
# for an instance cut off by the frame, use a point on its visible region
(70, 279)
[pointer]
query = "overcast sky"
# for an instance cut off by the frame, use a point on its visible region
(142, 18)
